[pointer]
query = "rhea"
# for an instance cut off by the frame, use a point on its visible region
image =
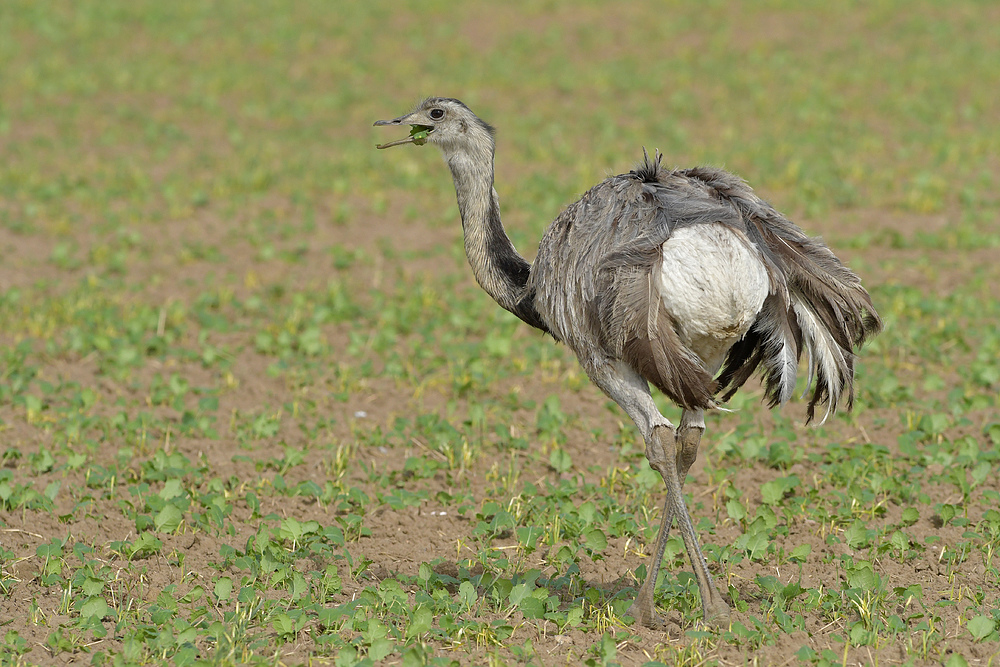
(683, 279)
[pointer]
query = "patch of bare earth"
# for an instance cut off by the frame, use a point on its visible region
(401, 540)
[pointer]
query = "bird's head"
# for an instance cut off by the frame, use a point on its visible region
(445, 122)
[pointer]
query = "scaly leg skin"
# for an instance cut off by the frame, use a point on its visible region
(673, 463)
(714, 608)
(643, 608)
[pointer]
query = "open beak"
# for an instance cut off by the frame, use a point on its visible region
(418, 133)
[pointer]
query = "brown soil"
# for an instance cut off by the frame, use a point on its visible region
(402, 540)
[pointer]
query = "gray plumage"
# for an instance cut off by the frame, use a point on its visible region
(683, 279)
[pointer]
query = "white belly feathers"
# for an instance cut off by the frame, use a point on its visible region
(713, 283)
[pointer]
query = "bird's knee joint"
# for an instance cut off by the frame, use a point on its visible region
(660, 446)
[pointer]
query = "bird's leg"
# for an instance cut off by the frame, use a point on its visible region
(643, 608)
(664, 456)
(689, 437)
(714, 608)
(669, 454)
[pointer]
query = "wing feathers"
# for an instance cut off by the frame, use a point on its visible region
(639, 331)
(819, 305)
(607, 250)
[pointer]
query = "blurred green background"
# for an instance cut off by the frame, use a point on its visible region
(237, 342)
(887, 105)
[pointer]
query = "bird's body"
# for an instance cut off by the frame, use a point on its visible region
(663, 277)
(707, 276)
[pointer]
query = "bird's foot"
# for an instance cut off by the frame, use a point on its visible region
(646, 616)
(715, 613)
(643, 610)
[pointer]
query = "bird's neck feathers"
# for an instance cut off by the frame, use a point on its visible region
(496, 264)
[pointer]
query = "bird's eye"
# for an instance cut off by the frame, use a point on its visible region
(437, 114)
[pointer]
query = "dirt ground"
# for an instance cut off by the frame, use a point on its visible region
(401, 540)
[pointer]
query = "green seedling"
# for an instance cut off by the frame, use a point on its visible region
(249, 408)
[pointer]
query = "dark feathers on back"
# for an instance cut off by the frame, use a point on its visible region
(600, 253)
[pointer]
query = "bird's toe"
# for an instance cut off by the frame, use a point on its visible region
(716, 614)
(646, 616)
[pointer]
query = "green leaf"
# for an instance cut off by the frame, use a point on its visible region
(910, 516)
(806, 653)
(564, 554)
(980, 473)
(421, 621)
(92, 586)
(993, 431)
(168, 519)
(756, 545)
(467, 594)
(223, 588)
(800, 553)
(51, 549)
(518, 593)
(283, 624)
(899, 540)
(171, 489)
(560, 460)
(856, 535)
(193, 595)
(860, 635)
(146, 544)
(94, 607)
(44, 461)
(862, 576)
(772, 492)
(143, 522)
(299, 585)
(595, 539)
(609, 649)
(52, 490)
(380, 648)
(532, 607)
(792, 591)
(587, 511)
(956, 660)
(947, 512)
(419, 134)
(528, 536)
(735, 510)
(290, 529)
(375, 629)
(981, 627)
(208, 403)
(412, 657)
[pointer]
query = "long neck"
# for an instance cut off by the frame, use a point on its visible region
(499, 269)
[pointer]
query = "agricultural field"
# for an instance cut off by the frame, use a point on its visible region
(255, 410)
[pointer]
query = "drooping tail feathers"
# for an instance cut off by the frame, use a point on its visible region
(817, 305)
